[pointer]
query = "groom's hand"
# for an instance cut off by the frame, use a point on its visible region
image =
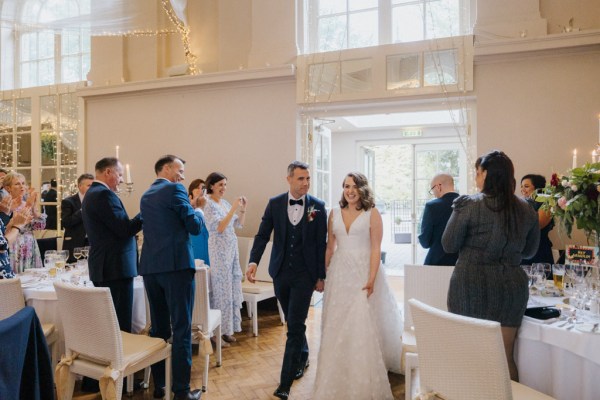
(251, 272)
(320, 286)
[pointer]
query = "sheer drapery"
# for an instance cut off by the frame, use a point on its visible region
(101, 18)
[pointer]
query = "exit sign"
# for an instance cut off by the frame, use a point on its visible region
(412, 133)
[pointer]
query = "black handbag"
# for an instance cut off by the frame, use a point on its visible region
(542, 312)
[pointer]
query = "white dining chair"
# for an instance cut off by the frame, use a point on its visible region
(206, 321)
(428, 283)
(261, 290)
(463, 358)
(12, 300)
(96, 348)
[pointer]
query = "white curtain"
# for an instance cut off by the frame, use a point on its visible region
(101, 18)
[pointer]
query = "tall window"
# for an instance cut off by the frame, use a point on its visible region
(49, 57)
(345, 24)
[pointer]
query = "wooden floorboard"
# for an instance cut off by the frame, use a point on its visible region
(251, 366)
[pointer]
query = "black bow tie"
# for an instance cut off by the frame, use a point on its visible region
(299, 202)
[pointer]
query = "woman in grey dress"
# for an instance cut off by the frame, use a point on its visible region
(492, 231)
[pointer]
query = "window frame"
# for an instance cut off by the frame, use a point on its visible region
(59, 54)
(308, 23)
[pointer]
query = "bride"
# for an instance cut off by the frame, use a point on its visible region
(361, 324)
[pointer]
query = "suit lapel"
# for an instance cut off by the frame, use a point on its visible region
(306, 208)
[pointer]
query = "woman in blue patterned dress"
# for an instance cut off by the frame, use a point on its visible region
(225, 272)
(24, 250)
(8, 234)
(199, 241)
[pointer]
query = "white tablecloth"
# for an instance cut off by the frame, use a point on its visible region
(564, 364)
(42, 297)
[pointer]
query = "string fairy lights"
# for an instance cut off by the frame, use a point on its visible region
(184, 31)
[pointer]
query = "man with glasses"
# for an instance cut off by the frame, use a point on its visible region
(435, 216)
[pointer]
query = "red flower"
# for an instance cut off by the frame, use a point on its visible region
(554, 180)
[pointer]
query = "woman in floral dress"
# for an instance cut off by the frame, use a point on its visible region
(225, 272)
(24, 251)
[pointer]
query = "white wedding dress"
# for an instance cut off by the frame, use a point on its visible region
(360, 338)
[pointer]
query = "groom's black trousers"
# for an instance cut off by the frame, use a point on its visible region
(294, 289)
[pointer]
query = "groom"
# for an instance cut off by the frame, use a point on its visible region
(297, 263)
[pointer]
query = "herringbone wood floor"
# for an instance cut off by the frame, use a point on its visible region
(251, 366)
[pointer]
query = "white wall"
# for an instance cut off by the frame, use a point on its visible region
(246, 131)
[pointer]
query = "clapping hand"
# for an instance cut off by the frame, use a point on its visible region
(19, 219)
(32, 198)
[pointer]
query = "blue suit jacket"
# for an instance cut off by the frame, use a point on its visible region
(314, 236)
(169, 219)
(111, 234)
(435, 216)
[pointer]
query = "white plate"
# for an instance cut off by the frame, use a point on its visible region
(587, 327)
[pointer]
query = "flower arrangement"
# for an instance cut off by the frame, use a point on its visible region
(573, 199)
(311, 213)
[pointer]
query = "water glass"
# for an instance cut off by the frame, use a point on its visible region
(63, 255)
(49, 260)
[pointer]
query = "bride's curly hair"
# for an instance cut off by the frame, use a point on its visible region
(367, 200)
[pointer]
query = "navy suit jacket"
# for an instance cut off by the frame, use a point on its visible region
(113, 249)
(435, 217)
(169, 219)
(72, 220)
(314, 236)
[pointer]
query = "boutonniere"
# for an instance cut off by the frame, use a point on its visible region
(311, 213)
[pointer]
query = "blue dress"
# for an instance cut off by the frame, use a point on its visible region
(200, 241)
(6, 271)
(225, 272)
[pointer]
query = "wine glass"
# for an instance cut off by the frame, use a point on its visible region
(77, 253)
(85, 251)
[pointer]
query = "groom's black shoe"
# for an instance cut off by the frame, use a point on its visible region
(281, 393)
(300, 372)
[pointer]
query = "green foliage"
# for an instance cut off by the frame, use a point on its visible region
(573, 199)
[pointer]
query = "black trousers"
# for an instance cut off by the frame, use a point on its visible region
(294, 290)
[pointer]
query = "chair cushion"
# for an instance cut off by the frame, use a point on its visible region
(138, 347)
(521, 391)
(258, 287)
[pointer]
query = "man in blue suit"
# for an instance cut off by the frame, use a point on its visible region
(435, 217)
(297, 263)
(167, 266)
(113, 250)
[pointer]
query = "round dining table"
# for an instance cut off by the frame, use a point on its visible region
(560, 357)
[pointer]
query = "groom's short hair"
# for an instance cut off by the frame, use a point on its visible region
(294, 165)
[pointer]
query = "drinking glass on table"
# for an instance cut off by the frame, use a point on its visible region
(85, 251)
(77, 253)
(530, 275)
(558, 275)
(63, 255)
(545, 268)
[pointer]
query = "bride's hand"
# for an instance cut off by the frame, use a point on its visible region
(369, 288)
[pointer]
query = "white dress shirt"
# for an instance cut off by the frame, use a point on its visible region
(295, 211)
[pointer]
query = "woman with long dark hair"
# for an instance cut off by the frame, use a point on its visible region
(492, 231)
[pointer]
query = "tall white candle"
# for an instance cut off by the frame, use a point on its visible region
(574, 158)
(117, 152)
(594, 156)
(127, 174)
